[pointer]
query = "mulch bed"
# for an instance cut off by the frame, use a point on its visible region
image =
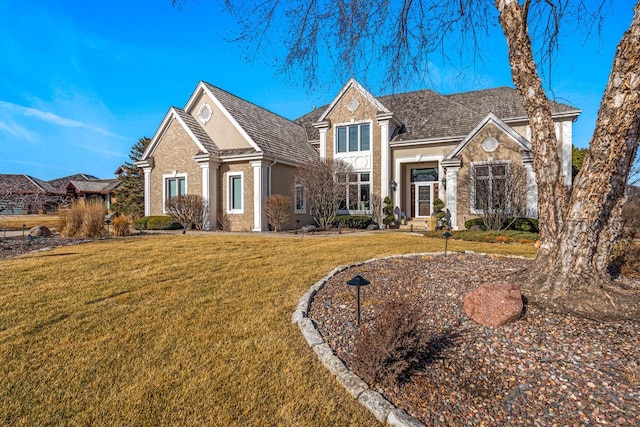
(543, 370)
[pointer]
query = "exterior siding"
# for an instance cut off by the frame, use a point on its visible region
(282, 182)
(243, 221)
(174, 154)
(365, 112)
(473, 152)
(219, 128)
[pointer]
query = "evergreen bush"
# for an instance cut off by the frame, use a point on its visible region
(159, 222)
(387, 211)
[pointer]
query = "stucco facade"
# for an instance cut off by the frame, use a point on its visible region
(413, 147)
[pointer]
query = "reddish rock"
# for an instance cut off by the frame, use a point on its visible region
(40, 231)
(494, 304)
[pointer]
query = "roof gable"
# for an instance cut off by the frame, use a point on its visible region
(25, 184)
(352, 84)
(495, 121)
(200, 138)
(266, 131)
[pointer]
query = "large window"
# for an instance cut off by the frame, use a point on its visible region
(353, 138)
(358, 193)
(235, 196)
(300, 205)
(174, 186)
(489, 185)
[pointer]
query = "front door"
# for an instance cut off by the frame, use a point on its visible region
(423, 199)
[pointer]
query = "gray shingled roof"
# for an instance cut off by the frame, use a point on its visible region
(426, 114)
(272, 133)
(100, 186)
(197, 130)
(25, 184)
(504, 102)
(61, 183)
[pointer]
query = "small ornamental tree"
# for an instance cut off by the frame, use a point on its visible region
(499, 193)
(326, 184)
(387, 211)
(277, 208)
(439, 213)
(188, 209)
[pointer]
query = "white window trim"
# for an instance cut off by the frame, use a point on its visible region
(347, 124)
(304, 199)
(472, 202)
(358, 183)
(230, 192)
(164, 187)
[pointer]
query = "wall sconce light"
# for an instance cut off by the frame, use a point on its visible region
(444, 183)
(394, 185)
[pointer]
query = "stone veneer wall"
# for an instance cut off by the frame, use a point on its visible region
(341, 115)
(282, 181)
(174, 153)
(244, 221)
(473, 152)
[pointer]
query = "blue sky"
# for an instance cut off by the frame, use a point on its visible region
(82, 81)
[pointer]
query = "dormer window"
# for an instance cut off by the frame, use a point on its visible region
(353, 138)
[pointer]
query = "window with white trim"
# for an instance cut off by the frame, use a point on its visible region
(235, 195)
(489, 185)
(300, 205)
(358, 194)
(353, 138)
(174, 185)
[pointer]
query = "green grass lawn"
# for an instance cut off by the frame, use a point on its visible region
(180, 330)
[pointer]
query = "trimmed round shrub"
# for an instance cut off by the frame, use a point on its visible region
(160, 222)
(141, 223)
(475, 222)
(352, 221)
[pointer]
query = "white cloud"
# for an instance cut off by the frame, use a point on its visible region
(56, 119)
(16, 130)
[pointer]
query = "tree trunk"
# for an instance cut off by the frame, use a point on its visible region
(571, 269)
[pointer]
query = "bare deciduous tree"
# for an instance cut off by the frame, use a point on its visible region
(578, 226)
(325, 183)
(277, 208)
(376, 208)
(499, 193)
(188, 209)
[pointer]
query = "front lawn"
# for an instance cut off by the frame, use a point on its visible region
(181, 330)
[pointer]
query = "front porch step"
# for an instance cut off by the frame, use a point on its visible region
(415, 225)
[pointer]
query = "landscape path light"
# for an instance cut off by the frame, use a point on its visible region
(358, 281)
(446, 236)
(23, 227)
(107, 221)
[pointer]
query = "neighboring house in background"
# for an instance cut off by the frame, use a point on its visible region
(87, 191)
(24, 194)
(411, 146)
(61, 183)
(84, 187)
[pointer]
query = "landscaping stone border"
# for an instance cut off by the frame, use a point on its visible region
(380, 407)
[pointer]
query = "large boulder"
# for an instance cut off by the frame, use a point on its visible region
(39, 231)
(494, 304)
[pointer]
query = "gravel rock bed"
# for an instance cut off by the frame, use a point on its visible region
(14, 246)
(543, 370)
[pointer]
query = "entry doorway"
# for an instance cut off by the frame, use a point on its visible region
(422, 194)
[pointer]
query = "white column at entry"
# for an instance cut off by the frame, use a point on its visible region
(260, 193)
